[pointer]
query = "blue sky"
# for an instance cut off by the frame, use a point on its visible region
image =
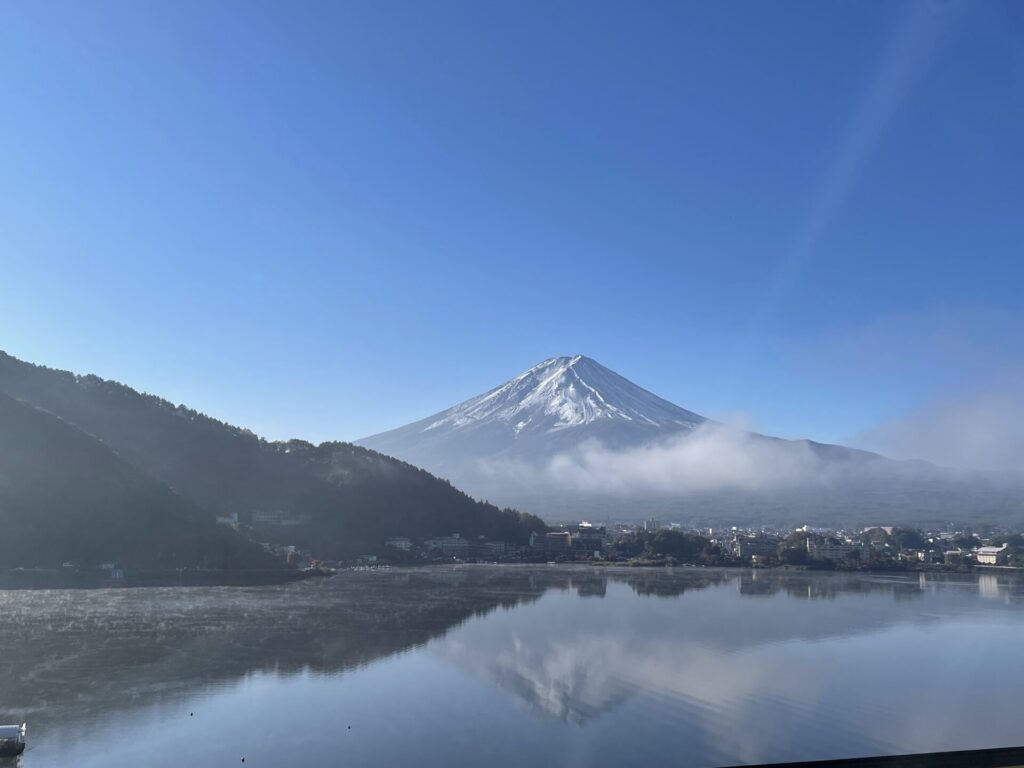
(327, 219)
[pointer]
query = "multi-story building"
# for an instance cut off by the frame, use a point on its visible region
(992, 555)
(828, 548)
(587, 537)
(450, 546)
(557, 541)
(746, 547)
(495, 548)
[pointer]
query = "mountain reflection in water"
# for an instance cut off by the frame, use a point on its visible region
(724, 665)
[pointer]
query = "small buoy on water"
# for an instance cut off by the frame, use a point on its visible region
(190, 714)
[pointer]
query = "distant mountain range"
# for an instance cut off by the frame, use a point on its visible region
(92, 470)
(569, 437)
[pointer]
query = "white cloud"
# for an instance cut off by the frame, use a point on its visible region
(979, 431)
(711, 457)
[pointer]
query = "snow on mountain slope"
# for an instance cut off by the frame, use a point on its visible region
(570, 436)
(564, 392)
(552, 407)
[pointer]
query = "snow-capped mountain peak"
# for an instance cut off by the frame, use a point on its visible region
(570, 437)
(560, 393)
(554, 406)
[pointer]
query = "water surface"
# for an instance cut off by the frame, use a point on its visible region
(516, 665)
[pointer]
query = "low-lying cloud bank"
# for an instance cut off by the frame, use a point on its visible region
(711, 457)
(979, 433)
(984, 431)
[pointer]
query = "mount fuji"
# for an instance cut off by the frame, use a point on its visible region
(550, 408)
(555, 406)
(569, 436)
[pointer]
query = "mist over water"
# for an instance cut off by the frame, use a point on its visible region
(514, 665)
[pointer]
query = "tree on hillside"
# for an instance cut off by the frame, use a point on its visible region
(793, 548)
(908, 538)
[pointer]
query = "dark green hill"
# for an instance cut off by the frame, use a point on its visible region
(64, 496)
(350, 498)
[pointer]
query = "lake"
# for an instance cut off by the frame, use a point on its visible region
(503, 666)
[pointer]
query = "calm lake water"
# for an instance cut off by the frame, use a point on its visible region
(505, 666)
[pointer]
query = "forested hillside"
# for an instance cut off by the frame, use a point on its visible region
(350, 497)
(64, 496)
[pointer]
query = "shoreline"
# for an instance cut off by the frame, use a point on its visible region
(655, 565)
(45, 579)
(42, 578)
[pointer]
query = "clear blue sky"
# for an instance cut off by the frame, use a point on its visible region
(323, 220)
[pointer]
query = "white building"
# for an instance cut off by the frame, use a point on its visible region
(991, 555)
